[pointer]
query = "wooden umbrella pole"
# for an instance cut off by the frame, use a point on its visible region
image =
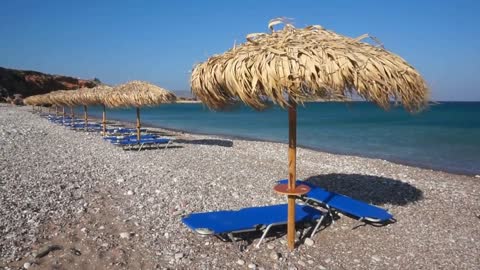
(292, 167)
(72, 114)
(63, 114)
(138, 124)
(56, 110)
(85, 116)
(104, 121)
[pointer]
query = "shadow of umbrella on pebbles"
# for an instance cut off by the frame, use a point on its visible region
(368, 188)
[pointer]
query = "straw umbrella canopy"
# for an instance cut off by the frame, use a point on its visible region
(290, 66)
(138, 94)
(96, 96)
(75, 99)
(31, 101)
(60, 98)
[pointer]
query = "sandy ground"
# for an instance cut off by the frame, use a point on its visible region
(69, 200)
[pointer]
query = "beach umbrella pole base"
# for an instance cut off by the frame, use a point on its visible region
(290, 189)
(138, 124)
(104, 121)
(86, 116)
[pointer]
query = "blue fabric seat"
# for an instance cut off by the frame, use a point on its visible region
(82, 125)
(129, 137)
(150, 141)
(344, 204)
(260, 218)
(124, 130)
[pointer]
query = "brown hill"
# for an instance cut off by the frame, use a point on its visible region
(27, 83)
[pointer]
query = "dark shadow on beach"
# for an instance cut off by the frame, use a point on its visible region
(368, 188)
(217, 142)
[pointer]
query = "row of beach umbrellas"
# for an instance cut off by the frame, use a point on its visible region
(135, 94)
(287, 67)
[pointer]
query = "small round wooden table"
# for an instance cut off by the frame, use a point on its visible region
(299, 190)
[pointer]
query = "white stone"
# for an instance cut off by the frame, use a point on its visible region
(309, 242)
(125, 235)
(27, 265)
(376, 258)
(178, 256)
(252, 266)
(240, 262)
(274, 255)
(129, 192)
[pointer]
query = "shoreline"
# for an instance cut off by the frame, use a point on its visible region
(317, 149)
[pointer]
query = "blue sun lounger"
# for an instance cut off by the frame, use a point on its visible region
(129, 137)
(130, 142)
(337, 202)
(82, 125)
(262, 218)
(124, 130)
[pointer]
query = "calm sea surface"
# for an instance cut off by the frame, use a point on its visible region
(444, 137)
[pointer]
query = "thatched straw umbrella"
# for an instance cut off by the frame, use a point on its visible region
(96, 96)
(37, 100)
(290, 66)
(138, 94)
(31, 101)
(60, 98)
(75, 99)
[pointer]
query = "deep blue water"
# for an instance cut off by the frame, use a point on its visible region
(446, 136)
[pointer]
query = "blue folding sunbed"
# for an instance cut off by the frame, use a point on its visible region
(344, 204)
(122, 130)
(262, 218)
(129, 143)
(129, 137)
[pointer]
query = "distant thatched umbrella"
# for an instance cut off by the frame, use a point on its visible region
(96, 96)
(138, 94)
(31, 101)
(60, 98)
(290, 66)
(75, 99)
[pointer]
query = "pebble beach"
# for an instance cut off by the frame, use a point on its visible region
(70, 200)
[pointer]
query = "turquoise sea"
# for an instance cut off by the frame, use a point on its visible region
(445, 137)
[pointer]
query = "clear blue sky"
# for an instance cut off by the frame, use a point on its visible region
(160, 41)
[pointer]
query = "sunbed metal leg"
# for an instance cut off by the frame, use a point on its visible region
(330, 213)
(317, 226)
(168, 143)
(263, 235)
(141, 145)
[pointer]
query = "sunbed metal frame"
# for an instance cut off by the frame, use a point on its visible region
(260, 227)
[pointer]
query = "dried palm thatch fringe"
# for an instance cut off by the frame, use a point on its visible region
(61, 98)
(37, 100)
(31, 100)
(94, 96)
(297, 65)
(138, 94)
(72, 98)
